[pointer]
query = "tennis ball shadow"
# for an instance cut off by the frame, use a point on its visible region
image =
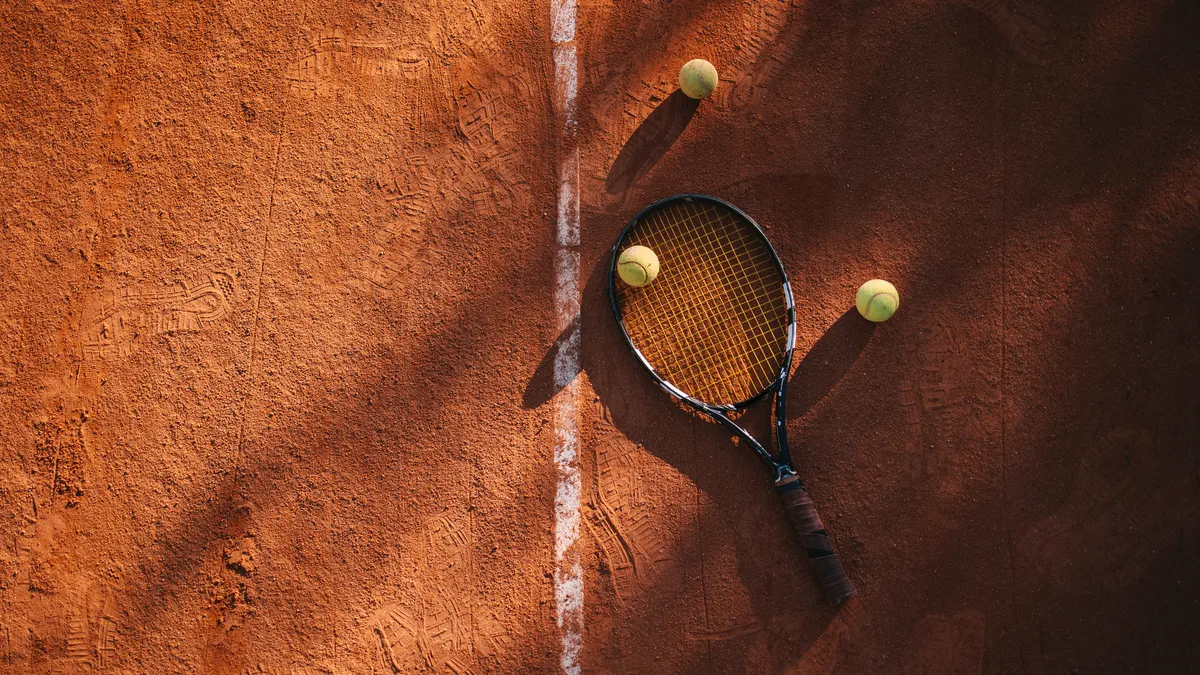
(822, 367)
(653, 137)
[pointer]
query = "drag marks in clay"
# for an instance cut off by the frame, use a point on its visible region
(771, 31)
(411, 187)
(479, 172)
(261, 669)
(1027, 28)
(7, 655)
(130, 316)
(443, 630)
(91, 637)
(333, 61)
(629, 105)
(618, 517)
(936, 397)
(60, 456)
(724, 634)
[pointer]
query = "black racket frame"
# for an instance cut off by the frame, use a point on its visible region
(782, 466)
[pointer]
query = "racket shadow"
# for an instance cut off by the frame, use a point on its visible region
(740, 506)
(653, 137)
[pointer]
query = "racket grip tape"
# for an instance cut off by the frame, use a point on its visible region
(799, 506)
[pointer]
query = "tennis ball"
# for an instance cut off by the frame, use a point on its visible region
(698, 78)
(637, 266)
(877, 300)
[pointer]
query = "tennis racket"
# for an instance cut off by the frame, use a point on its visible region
(716, 330)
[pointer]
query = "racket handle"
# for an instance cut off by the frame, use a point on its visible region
(834, 582)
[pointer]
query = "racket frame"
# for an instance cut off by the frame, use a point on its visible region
(836, 585)
(721, 412)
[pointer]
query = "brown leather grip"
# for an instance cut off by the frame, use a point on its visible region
(825, 561)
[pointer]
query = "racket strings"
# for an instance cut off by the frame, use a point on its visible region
(760, 273)
(746, 361)
(714, 323)
(704, 292)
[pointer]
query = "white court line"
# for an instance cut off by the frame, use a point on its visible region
(568, 568)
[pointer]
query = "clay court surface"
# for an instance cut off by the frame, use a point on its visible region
(277, 382)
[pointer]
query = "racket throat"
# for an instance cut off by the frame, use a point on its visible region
(777, 469)
(782, 472)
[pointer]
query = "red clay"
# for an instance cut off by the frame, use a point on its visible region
(278, 294)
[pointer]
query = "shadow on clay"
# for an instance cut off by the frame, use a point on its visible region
(827, 361)
(650, 141)
(543, 385)
(647, 417)
(376, 411)
(771, 564)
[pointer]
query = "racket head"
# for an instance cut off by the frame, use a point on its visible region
(717, 327)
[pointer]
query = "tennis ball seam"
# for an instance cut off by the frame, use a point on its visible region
(645, 270)
(885, 294)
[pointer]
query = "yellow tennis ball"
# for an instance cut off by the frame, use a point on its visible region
(877, 300)
(637, 266)
(698, 78)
